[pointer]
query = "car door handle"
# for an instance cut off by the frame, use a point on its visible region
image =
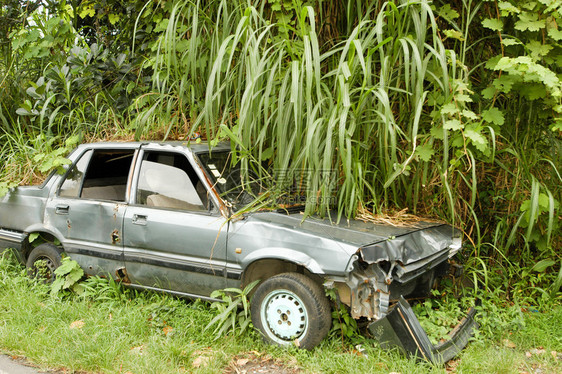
(62, 209)
(139, 219)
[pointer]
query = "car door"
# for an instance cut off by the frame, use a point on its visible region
(88, 209)
(174, 239)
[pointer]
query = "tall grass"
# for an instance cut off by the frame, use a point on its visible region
(346, 119)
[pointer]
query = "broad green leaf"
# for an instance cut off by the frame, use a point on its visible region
(463, 98)
(56, 286)
(453, 124)
(23, 112)
(449, 108)
(113, 18)
(469, 114)
(476, 138)
(555, 34)
(537, 49)
(493, 62)
(73, 277)
(87, 11)
(425, 152)
(503, 63)
(493, 24)
(489, 92)
(544, 202)
(505, 82)
(529, 21)
(267, 153)
(72, 141)
(454, 34)
(182, 45)
(508, 42)
(507, 8)
(493, 115)
(162, 25)
(32, 237)
(437, 132)
(543, 264)
(534, 91)
(66, 267)
(448, 13)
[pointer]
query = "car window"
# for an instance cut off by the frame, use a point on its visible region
(228, 181)
(73, 179)
(107, 174)
(167, 180)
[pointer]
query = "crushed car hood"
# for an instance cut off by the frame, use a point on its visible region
(376, 242)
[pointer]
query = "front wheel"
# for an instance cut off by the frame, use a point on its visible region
(291, 308)
(43, 261)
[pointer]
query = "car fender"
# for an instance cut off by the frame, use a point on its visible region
(284, 254)
(39, 227)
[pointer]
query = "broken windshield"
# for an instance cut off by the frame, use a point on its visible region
(228, 179)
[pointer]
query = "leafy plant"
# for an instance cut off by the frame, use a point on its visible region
(438, 316)
(229, 317)
(342, 323)
(68, 275)
(5, 186)
(101, 288)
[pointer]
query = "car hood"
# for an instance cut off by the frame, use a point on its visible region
(375, 242)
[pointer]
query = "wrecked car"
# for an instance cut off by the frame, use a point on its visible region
(158, 216)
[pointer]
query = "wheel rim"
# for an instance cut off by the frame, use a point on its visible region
(49, 272)
(285, 316)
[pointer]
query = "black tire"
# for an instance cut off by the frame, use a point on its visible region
(291, 308)
(51, 255)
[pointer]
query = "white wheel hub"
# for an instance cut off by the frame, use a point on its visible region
(285, 316)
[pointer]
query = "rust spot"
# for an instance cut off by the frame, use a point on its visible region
(68, 225)
(115, 236)
(122, 275)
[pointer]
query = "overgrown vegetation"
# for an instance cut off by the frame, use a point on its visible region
(98, 325)
(233, 311)
(450, 109)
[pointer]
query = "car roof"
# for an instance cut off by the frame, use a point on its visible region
(201, 147)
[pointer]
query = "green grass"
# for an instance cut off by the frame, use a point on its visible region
(139, 332)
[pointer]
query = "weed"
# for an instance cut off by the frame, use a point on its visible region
(343, 325)
(229, 318)
(68, 275)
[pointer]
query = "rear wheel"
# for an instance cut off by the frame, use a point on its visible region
(291, 308)
(43, 261)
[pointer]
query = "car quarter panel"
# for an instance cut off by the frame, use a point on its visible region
(22, 207)
(259, 237)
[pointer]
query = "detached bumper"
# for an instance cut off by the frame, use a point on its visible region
(400, 328)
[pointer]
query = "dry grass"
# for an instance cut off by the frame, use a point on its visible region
(394, 218)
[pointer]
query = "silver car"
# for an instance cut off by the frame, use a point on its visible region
(160, 216)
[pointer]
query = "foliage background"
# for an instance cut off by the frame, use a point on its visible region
(448, 108)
